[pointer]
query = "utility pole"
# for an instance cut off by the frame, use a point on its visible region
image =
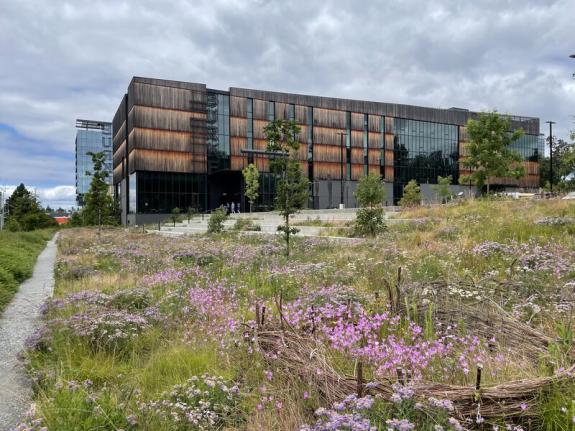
(341, 135)
(551, 154)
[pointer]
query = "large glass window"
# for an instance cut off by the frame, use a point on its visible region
(423, 151)
(530, 147)
(132, 201)
(218, 124)
(365, 141)
(161, 192)
(271, 111)
(250, 112)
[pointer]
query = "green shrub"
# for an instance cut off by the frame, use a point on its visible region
(217, 219)
(246, 224)
(411, 195)
(370, 222)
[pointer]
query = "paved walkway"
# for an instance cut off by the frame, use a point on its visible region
(17, 323)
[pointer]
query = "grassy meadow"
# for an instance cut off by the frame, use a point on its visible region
(457, 317)
(18, 253)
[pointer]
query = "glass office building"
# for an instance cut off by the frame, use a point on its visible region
(181, 144)
(91, 136)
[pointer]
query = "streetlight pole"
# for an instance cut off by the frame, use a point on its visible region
(551, 153)
(341, 135)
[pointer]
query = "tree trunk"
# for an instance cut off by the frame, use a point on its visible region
(287, 233)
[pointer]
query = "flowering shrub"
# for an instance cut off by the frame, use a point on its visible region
(109, 330)
(349, 414)
(556, 221)
(202, 403)
(369, 414)
(382, 339)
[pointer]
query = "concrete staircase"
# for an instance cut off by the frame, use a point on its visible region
(268, 221)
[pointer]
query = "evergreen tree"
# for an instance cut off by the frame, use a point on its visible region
(292, 185)
(252, 181)
(370, 195)
(100, 207)
(488, 152)
(25, 212)
(411, 195)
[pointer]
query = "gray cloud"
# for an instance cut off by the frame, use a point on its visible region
(65, 60)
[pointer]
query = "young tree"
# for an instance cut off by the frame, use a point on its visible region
(175, 216)
(100, 207)
(292, 185)
(191, 212)
(442, 187)
(217, 219)
(252, 181)
(488, 150)
(370, 195)
(411, 195)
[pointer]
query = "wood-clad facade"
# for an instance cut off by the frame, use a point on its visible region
(182, 143)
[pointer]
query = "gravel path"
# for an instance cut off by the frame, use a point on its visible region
(19, 321)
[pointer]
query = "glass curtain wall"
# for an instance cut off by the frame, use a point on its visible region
(423, 151)
(218, 131)
(90, 140)
(530, 147)
(161, 192)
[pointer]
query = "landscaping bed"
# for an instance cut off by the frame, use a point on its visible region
(462, 319)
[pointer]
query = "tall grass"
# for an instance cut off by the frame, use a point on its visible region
(18, 253)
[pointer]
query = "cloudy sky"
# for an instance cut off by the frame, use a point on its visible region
(62, 60)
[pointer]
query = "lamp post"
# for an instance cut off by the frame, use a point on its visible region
(341, 135)
(551, 153)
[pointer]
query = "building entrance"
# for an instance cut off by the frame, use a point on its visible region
(225, 187)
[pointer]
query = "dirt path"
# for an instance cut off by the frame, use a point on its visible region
(19, 321)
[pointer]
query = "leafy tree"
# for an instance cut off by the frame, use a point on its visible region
(488, 150)
(411, 195)
(442, 187)
(292, 185)
(25, 212)
(252, 180)
(175, 216)
(100, 207)
(370, 195)
(563, 166)
(217, 219)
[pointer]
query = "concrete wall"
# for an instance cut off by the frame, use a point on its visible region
(429, 195)
(140, 219)
(327, 194)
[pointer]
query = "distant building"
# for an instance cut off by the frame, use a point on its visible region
(62, 219)
(180, 144)
(91, 136)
